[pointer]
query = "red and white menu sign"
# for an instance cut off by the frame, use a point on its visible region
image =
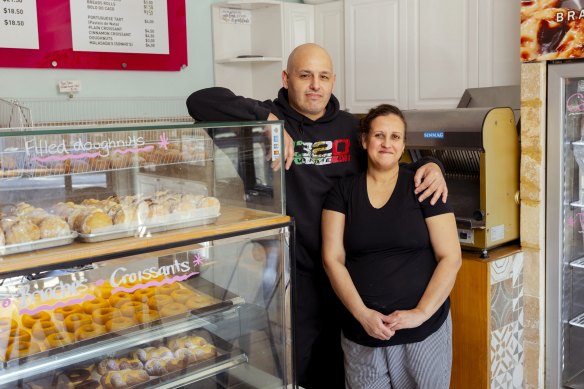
(18, 24)
(120, 26)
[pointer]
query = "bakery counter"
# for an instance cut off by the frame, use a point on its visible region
(161, 318)
(143, 256)
(232, 220)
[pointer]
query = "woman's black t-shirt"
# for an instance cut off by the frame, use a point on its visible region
(388, 254)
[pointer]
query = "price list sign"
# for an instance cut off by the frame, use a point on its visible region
(122, 26)
(94, 34)
(18, 24)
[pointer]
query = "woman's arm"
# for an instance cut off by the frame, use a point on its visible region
(333, 254)
(444, 239)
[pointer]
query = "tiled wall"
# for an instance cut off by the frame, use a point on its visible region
(532, 194)
(507, 357)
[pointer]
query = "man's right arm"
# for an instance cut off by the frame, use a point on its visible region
(221, 104)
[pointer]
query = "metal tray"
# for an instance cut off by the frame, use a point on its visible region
(161, 225)
(37, 244)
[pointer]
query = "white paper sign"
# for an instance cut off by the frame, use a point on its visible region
(235, 16)
(18, 24)
(120, 26)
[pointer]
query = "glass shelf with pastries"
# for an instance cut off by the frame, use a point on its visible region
(64, 188)
(190, 314)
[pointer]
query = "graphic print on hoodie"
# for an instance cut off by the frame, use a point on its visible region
(322, 152)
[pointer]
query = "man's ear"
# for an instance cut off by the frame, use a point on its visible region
(285, 78)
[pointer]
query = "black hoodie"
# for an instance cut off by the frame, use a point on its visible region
(324, 151)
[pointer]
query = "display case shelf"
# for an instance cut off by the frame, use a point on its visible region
(576, 382)
(76, 355)
(578, 263)
(578, 321)
(232, 221)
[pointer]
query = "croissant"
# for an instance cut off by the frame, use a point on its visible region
(147, 353)
(162, 366)
(117, 364)
(123, 378)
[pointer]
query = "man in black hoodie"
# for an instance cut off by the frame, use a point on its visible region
(321, 146)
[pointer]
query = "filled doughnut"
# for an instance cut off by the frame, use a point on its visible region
(116, 300)
(143, 295)
(29, 321)
(130, 308)
(42, 329)
(147, 316)
(103, 315)
(182, 295)
(158, 301)
(172, 309)
(120, 323)
(89, 331)
(59, 339)
(76, 320)
(63, 312)
(21, 349)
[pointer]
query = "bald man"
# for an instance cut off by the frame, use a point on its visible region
(321, 146)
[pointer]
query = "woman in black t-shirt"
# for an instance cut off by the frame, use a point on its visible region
(392, 260)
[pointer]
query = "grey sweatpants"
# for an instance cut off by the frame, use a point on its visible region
(422, 365)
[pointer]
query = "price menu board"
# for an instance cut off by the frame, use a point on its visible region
(18, 24)
(93, 34)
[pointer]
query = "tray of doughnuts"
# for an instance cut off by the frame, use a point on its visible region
(29, 228)
(124, 216)
(49, 332)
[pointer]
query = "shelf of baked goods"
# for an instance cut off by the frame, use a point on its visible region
(231, 220)
(121, 340)
(54, 153)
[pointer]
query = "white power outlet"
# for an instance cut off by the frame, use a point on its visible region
(69, 86)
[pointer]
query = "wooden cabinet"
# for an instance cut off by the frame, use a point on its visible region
(487, 321)
(424, 54)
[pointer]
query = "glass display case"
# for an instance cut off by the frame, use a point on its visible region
(143, 256)
(565, 227)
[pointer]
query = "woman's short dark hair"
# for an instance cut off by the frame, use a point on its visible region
(375, 112)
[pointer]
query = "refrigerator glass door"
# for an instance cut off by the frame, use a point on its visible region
(565, 226)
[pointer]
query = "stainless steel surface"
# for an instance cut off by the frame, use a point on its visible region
(37, 244)
(554, 180)
(460, 128)
(493, 96)
(459, 139)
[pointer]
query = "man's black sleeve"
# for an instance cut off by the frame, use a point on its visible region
(221, 104)
(422, 161)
